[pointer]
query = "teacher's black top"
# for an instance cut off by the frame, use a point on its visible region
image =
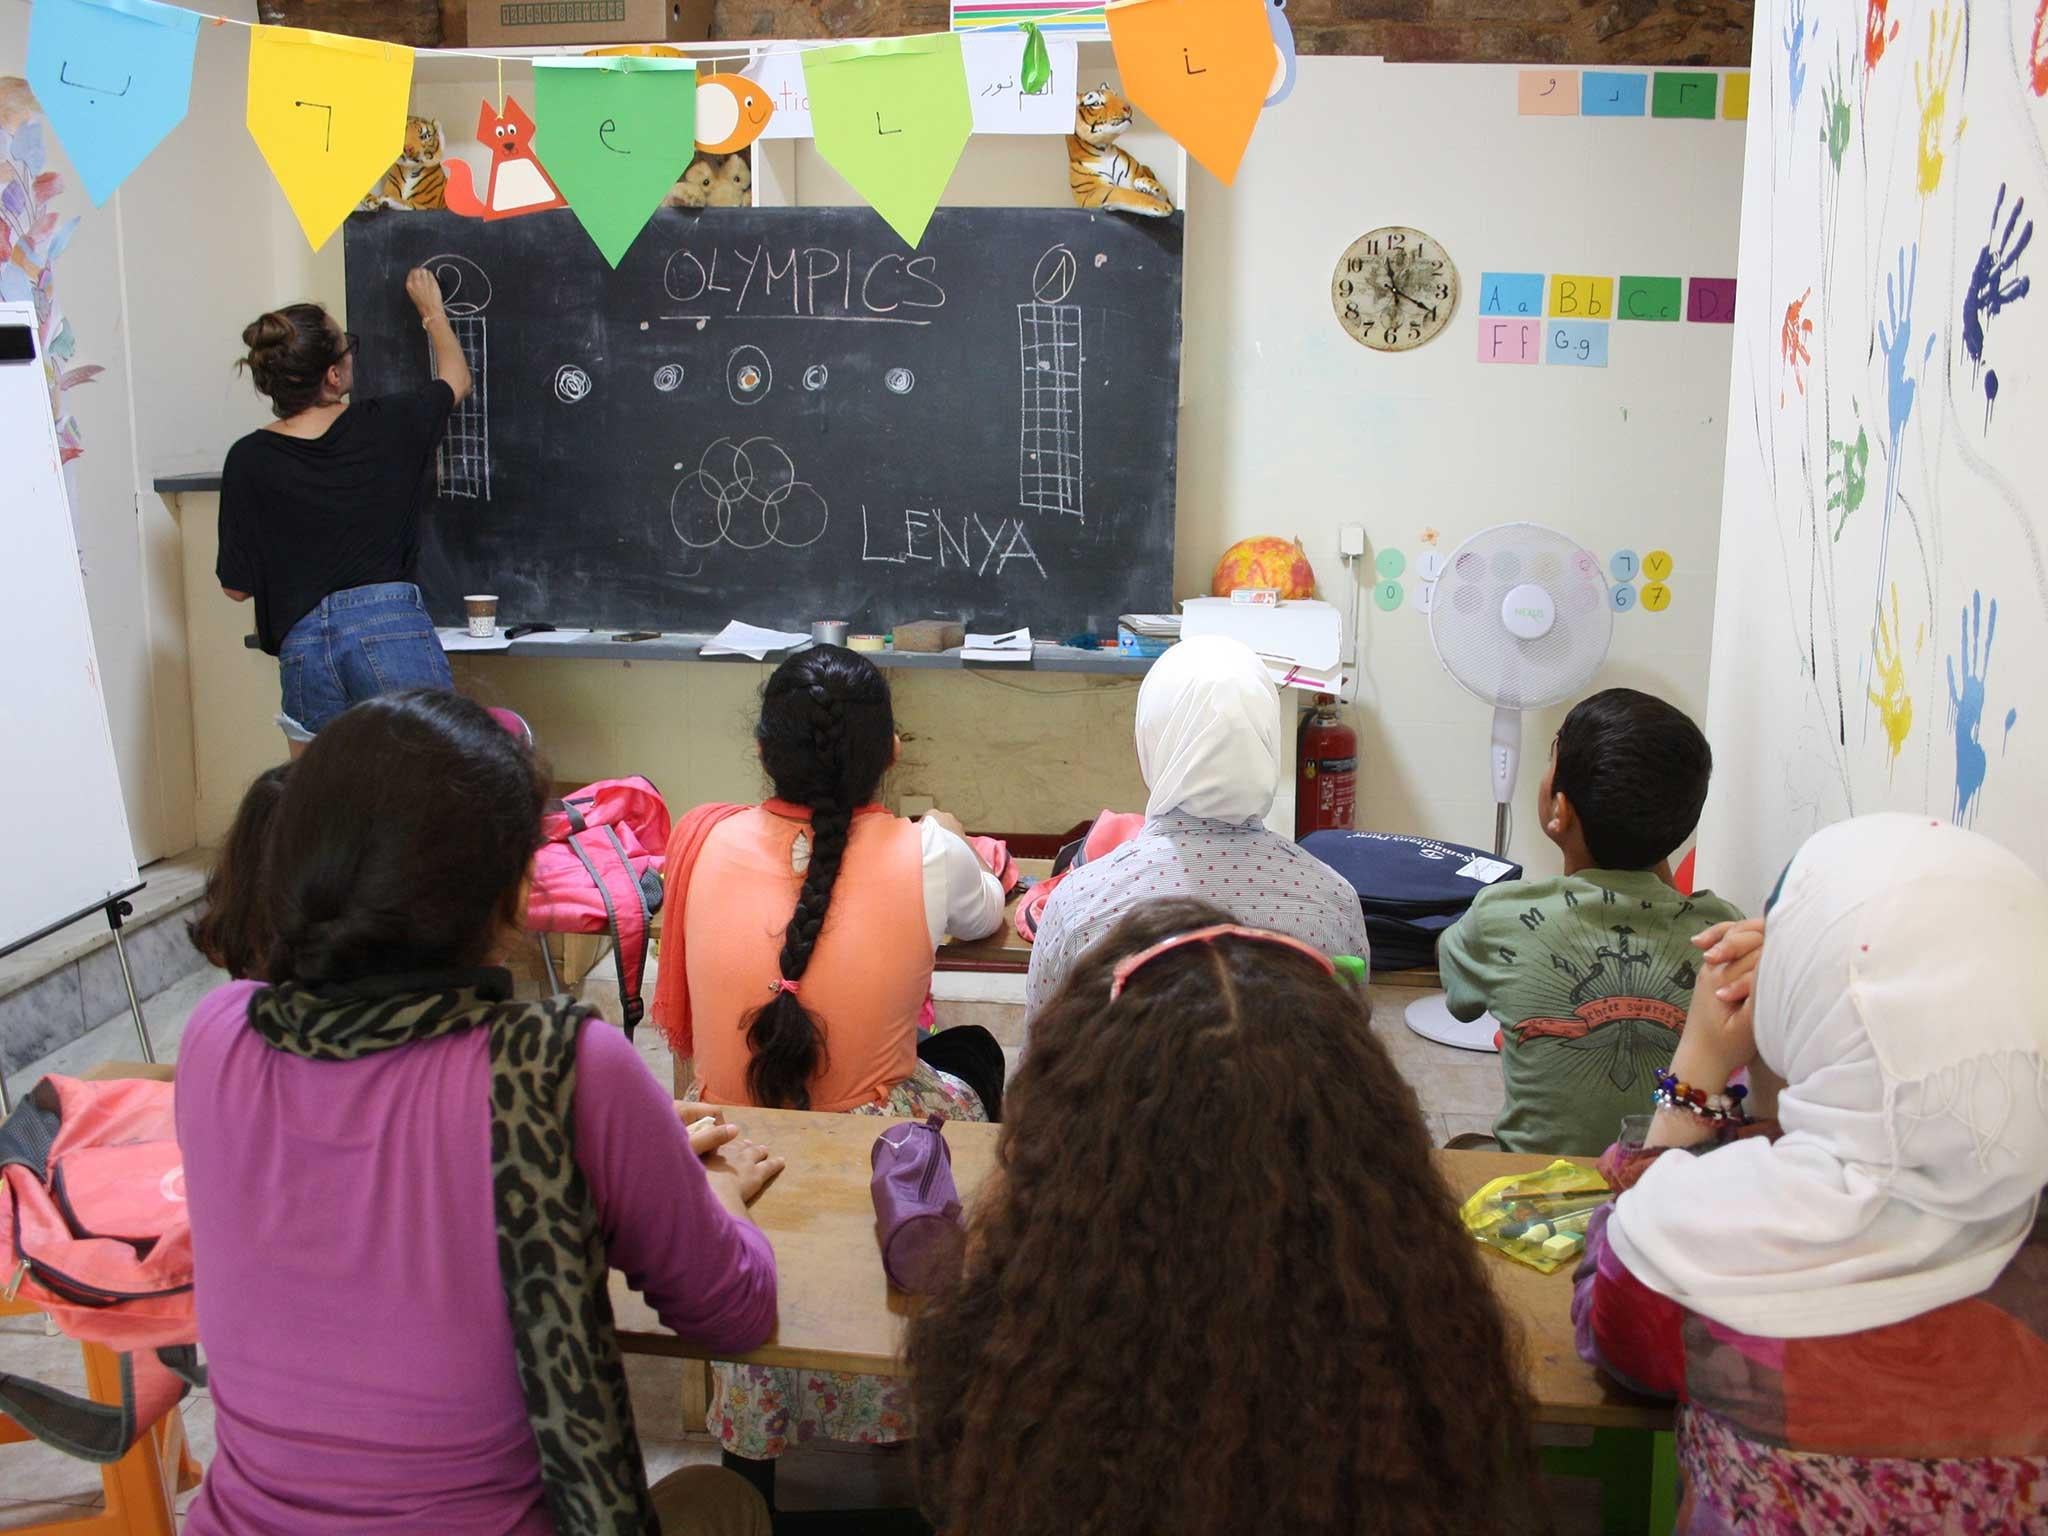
(303, 517)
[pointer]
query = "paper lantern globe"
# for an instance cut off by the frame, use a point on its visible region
(1265, 562)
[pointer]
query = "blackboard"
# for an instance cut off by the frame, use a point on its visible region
(784, 414)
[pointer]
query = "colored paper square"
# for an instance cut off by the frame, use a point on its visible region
(1603, 93)
(1735, 97)
(1651, 298)
(1575, 296)
(1511, 293)
(1684, 93)
(1576, 343)
(1711, 301)
(1548, 93)
(1510, 341)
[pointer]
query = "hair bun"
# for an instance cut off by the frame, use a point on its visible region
(266, 333)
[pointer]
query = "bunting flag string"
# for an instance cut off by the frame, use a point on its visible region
(892, 115)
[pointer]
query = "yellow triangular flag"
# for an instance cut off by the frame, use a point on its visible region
(328, 113)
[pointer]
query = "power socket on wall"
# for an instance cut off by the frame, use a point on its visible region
(1351, 540)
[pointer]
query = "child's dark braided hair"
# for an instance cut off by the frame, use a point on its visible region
(827, 735)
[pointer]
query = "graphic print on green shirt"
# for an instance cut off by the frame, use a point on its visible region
(1590, 976)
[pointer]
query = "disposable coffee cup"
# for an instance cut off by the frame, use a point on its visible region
(483, 614)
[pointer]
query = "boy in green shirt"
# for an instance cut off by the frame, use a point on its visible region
(1591, 973)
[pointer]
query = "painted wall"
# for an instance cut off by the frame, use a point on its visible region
(1884, 585)
(1290, 427)
(149, 281)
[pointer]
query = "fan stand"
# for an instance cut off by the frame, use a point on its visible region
(1430, 1015)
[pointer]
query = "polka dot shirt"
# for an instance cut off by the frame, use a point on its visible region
(1259, 877)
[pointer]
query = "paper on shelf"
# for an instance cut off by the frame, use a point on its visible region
(457, 638)
(738, 639)
(554, 637)
(1013, 646)
(1308, 636)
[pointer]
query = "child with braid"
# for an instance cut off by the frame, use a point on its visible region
(796, 959)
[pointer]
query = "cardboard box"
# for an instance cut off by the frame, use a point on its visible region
(522, 23)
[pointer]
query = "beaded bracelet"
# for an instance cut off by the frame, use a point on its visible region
(1719, 1108)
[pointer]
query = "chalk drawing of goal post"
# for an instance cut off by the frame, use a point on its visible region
(462, 464)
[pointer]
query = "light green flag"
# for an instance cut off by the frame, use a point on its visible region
(615, 134)
(892, 118)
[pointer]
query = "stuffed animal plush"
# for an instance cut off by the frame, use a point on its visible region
(415, 179)
(693, 189)
(730, 179)
(1099, 174)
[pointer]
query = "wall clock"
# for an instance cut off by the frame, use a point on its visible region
(1394, 289)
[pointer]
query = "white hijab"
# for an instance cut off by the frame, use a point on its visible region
(1209, 731)
(1898, 999)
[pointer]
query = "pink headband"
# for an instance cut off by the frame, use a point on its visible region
(1132, 964)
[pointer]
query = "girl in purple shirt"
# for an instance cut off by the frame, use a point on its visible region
(406, 1189)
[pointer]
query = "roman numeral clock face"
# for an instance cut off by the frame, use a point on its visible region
(1394, 289)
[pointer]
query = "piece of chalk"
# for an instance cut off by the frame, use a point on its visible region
(1564, 1245)
(869, 643)
(1536, 1232)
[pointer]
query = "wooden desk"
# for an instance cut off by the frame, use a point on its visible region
(1004, 953)
(838, 1312)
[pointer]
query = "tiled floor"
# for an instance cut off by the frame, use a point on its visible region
(1459, 1091)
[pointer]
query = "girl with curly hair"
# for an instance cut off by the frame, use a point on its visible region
(1216, 1284)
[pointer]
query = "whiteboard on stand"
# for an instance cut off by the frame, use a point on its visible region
(68, 850)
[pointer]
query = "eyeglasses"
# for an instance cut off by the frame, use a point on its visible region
(1132, 964)
(349, 342)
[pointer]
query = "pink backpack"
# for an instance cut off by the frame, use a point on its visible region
(94, 1232)
(599, 871)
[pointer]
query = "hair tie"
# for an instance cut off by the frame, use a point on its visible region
(782, 984)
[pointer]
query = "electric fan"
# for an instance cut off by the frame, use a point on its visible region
(1521, 620)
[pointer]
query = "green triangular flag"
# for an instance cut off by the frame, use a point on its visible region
(892, 118)
(614, 134)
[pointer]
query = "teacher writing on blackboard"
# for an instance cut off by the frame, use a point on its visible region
(320, 511)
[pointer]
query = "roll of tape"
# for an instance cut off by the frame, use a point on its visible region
(864, 643)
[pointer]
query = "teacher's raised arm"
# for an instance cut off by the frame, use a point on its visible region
(320, 510)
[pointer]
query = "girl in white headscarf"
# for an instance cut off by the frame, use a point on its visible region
(1849, 1301)
(1209, 744)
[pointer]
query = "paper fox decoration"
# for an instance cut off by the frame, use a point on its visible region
(518, 183)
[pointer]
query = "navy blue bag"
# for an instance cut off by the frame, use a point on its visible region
(1409, 888)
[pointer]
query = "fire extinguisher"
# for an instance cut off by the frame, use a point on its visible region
(1326, 770)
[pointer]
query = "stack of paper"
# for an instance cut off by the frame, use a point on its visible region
(1301, 643)
(738, 639)
(1152, 626)
(458, 638)
(1014, 646)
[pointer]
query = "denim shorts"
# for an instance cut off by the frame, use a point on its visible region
(357, 644)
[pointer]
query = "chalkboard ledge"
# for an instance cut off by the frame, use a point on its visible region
(174, 485)
(1044, 658)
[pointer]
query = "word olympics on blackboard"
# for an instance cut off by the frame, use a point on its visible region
(785, 414)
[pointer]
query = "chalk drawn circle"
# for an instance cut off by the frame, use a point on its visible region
(815, 377)
(746, 495)
(1623, 565)
(1622, 596)
(1390, 563)
(1053, 278)
(899, 381)
(464, 288)
(748, 376)
(571, 384)
(668, 377)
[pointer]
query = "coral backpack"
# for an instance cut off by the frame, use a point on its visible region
(599, 870)
(94, 1232)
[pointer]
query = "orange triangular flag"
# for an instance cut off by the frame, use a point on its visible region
(1201, 69)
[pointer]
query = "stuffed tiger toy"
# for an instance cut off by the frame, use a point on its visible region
(1098, 173)
(415, 179)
